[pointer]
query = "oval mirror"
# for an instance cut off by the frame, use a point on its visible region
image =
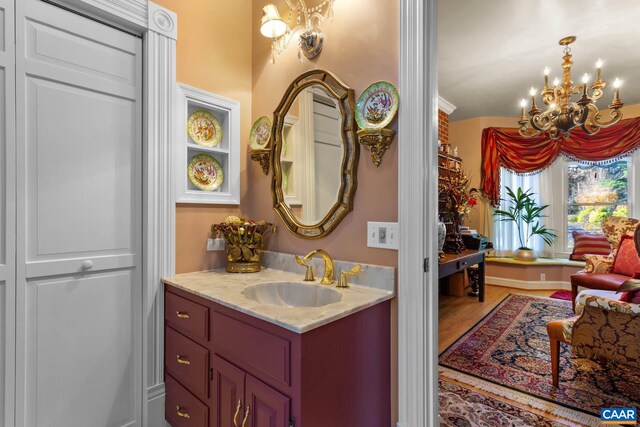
(314, 154)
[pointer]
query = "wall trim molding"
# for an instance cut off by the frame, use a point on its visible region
(445, 105)
(531, 285)
(417, 290)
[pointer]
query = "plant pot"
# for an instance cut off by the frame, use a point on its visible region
(522, 254)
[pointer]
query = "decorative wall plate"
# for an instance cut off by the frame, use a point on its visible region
(260, 133)
(204, 129)
(205, 172)
(377, 105)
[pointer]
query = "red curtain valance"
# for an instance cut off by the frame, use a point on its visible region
(504, 147)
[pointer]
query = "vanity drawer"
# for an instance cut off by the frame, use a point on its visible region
(183, 409)
(188, 317)
(187, 361)
(268, 354)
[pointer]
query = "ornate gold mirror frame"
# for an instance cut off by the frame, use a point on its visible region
(345, 97)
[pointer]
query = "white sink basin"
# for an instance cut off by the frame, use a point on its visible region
(292, 294)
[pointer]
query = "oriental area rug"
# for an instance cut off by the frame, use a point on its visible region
(507, 354)
(462, 406)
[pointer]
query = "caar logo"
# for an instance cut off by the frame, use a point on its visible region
(618, 416)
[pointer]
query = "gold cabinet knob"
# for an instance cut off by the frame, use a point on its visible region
(181, 412)
(182, 315)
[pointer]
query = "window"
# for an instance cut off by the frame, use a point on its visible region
(595, 192)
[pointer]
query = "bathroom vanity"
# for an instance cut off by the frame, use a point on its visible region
(268, 350)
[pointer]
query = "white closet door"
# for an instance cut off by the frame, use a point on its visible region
(79, 287)
(7, 213)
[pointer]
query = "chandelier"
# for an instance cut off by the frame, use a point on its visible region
(562, 113)
(307, 21)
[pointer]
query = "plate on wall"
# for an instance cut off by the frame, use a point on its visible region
(260, 133)
(204, 129)
(205, 172)
(377, 105)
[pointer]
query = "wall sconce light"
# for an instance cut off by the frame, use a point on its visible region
(280, 32)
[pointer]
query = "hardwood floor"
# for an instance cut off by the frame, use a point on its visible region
(458, 314)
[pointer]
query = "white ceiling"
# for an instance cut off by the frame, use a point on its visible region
(490, 52)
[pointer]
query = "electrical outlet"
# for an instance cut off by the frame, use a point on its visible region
(382, 235)
(215, 244)
(543, 277)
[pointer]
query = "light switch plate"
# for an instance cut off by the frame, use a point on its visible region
(382, 235)
(215, 244)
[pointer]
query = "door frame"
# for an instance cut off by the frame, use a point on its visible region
(417, 216)
(158, 28)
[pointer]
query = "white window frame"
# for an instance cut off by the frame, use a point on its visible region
(558, 174)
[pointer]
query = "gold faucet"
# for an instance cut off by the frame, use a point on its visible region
(328, 277)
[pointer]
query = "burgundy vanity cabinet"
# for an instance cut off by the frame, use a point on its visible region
(240, 393)
(335, 375)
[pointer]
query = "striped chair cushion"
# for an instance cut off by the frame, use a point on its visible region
(589, 244)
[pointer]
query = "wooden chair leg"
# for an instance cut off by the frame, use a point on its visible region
(574, 294)
(555, 360)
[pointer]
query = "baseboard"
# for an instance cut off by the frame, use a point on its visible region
(528, 285)
(155, 407)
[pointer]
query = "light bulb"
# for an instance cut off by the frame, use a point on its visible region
(599, 63)
(546, 71)
(552, 106)
(523, 103)
(532, 92)
(585, 78)
(556, 81)
(617, 83)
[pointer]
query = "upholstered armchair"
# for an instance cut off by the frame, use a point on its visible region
(605, 328)
(598, 273)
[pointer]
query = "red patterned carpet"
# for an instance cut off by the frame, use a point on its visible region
(510, 348)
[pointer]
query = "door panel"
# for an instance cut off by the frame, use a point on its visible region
(81, 162)
(7, 213)
(268, 407)
(79, 281)
(228, 390)
(84, 349)
(90, 57)
(3, 348)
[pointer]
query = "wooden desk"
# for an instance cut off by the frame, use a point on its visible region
(452, 263)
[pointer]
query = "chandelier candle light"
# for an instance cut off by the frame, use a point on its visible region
(562, 113)
(280, 32)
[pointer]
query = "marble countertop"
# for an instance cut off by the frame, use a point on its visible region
(226, 289)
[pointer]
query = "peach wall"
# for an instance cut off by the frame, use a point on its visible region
(213, 54)
(360, 47)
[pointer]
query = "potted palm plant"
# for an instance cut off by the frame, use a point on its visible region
(525, 213)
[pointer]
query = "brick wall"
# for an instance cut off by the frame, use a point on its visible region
(443, 127)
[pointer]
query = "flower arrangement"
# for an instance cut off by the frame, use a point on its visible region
(244, 241)
(458, 198)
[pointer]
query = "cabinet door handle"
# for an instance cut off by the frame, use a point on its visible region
(182, 361)
(182, 315)
(235, 417)
(181, 413)
(246, 416)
